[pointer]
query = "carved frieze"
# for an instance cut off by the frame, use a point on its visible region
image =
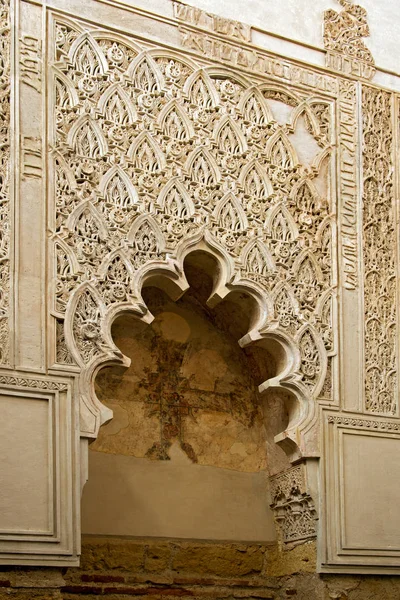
(343, 39)
(5, 214)
(380, 262)
(236, 55)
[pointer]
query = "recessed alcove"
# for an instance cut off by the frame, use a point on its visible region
(191, 445)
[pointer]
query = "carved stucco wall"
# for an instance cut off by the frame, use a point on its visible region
(168, 153)
(5, 212)
(143, 139)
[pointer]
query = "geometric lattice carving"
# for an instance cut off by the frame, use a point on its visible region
(5, 269)
(293, 507)
(380, 240)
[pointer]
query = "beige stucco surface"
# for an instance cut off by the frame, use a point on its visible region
(133, 496)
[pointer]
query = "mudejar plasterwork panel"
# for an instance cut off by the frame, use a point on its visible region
(5, 212)
(132, 152)
(151, 150)
(380, 244)
(343, 39)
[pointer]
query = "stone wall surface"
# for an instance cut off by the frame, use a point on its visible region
(116, 568)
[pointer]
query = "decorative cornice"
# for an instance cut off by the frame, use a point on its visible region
(357, 423)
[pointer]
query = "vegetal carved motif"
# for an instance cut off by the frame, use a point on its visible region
(293, 507)
(380, 234)
(343, 35)
(152, 150)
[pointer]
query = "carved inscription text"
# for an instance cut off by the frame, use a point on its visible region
(348, 183)
(31, 62)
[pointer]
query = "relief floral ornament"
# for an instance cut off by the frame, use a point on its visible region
(154, 156)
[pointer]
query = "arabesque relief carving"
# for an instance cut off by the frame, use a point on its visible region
(293, 507)
(343, 39)
(153, 154)
(151, 145)
(380, 235)
(5, 269)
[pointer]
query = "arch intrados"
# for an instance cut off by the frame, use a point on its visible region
(286, 357)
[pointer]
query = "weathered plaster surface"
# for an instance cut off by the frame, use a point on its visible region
(188, 381)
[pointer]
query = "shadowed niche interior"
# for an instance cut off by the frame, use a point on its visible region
(190, 448)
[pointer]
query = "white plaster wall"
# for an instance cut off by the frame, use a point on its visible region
(302, 20)
(140, 497)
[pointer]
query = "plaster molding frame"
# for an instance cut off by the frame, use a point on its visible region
(349, 540)
(55, 539)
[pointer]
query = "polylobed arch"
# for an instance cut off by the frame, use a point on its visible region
(263, 331)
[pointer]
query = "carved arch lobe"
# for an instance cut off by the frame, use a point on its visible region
(313, 358)
(229, 214)
(71, 267)
(117, 188)
(200, 90)
(303, 109)
(306, 269)
(87, 221)
(65, 93)
(280, 224)
(62, 169)
(145, 74)
(229, 137)
(202, 167)
(254, 108)
(87, 57)
(280, 151)
(257, 258)
(286, 305)
(118, 252)
(116, 105)
(175, 200)
(146, 154)
(115, 275)
(145, 235)
(174, 121)
(306, 196)
(255, 181)
(86, 138)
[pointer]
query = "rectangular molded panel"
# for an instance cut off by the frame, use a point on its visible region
(26, 465)
(361, 477)
(371, 491)
(39, 474)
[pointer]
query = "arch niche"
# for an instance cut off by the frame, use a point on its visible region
(212, 274)
(195, 179)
